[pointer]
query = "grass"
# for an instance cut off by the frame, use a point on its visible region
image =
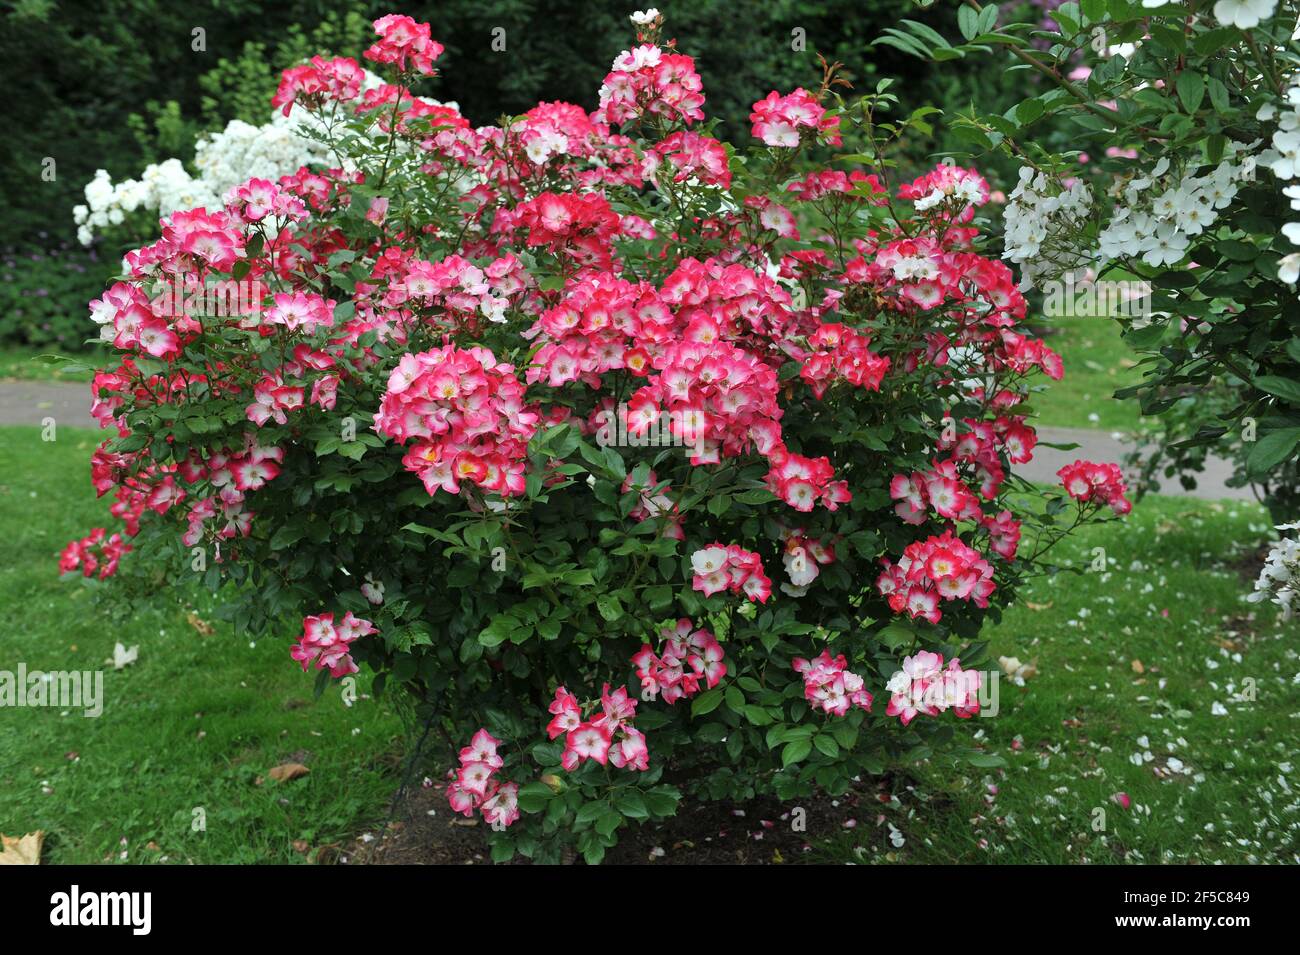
(195, 723)
(24, 362)
(1143, 687)
(1097, 363)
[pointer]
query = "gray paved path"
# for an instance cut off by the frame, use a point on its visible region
(68, 403)
(30, 402)
(1102, 446)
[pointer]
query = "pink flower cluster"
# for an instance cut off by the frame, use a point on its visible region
(1022, 354)
(720, 567)
(461, 291)
(804, 482)
(691, 155)
(231, 474)
(273, 399)
(923, 273)
(1004, 533)
(940, 490)
(234, 472)
(465, 412)
(964, 188)
(137, 323)
(338, 79)
(95, 552)
(923, 685)
(829, 686)
(941, 567)
(1086, 481)
(779, 120)
(609, 737)
(300, 310)
(689, 657)
(719, 398)
(646, 81)
(586, 334)
(256, 199)
(402, 39)
(838, 352)
(803, 558)
(474, 785)
(326, 643)
(830, 182)
(579, 226)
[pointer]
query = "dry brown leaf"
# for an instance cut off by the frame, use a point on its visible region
(1033, 606)
(1137, 666)
(198, 623)
(287, 771)
(21, 850)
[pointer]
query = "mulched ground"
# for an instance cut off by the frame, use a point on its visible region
(424, 831)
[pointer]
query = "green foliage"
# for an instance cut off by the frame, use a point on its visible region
(39, 291)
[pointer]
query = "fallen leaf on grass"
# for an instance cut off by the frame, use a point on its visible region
(198, 623)
(122, 657)
(1033, 606)
(21, 850)
(1137, 666)
(287, 771)
(1016, 671)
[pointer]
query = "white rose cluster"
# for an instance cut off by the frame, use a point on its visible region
(1154, 217)
(238, 153)
(1158, 216)
(1278, 580)
(1044, 220)
(1283, 159)
(224, 160)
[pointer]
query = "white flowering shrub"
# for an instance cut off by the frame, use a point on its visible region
(1279, 580)
(1183, 120)
(222, 161)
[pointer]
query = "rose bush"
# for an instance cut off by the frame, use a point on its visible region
(641, 464)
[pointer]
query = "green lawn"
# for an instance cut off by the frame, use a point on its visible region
(193, 724)
(25, 362)
(1097, 363)
(1143, 681)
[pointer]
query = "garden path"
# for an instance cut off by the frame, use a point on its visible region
(31, 402)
